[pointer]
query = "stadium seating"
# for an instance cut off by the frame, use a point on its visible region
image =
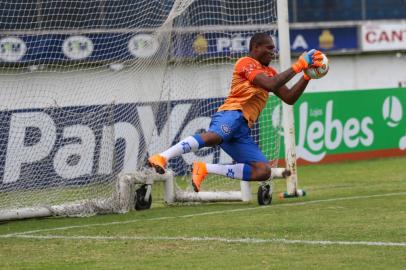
(29, 14)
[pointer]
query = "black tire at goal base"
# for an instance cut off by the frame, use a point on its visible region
(140, 203)
(264, 196)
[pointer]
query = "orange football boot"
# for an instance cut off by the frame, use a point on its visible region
(158, 162)
(199, 172)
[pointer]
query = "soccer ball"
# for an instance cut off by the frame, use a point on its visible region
(318, 72)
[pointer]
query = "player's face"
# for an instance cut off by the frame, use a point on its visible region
(266, 52)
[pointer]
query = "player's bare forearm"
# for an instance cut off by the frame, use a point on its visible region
(290, 96)
(276, 84)
(297, 90)
(271, 84)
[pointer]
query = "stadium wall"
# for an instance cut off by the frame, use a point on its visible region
(349, 72)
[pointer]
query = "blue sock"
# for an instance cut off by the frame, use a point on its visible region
(198, 138)
(246, 172)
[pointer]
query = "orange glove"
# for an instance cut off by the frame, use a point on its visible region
(307, 78)
(311, 58)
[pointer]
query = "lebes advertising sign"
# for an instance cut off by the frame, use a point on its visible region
(346, 125)
(383, 37)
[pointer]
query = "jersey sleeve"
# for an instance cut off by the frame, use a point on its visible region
(248, 68)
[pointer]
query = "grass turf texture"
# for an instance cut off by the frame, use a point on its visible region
(336, 209)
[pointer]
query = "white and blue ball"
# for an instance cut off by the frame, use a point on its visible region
(318, 72)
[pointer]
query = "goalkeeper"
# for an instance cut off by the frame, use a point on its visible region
(252, 81)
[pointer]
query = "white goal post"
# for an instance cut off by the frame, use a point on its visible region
(288, 119)
(90, 89)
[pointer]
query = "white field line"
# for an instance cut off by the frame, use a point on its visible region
(211, 239)
(203, 214)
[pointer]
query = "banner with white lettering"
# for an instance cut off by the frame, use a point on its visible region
(112, 47)
(80, 144)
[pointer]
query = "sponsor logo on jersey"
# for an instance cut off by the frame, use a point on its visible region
(226, 129)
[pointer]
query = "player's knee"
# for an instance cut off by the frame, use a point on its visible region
(265, 173)
(211, 139)
(261, 171)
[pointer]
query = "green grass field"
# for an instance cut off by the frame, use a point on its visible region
(354, 217)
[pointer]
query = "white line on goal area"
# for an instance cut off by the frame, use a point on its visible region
(212, 239)
(202, 214)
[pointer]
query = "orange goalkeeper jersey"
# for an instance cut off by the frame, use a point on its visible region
(244, 95)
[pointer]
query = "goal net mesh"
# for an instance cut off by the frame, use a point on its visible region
(90, 89)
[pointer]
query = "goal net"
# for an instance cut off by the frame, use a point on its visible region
(90, 89)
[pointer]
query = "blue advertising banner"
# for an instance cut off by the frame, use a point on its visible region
(80, 144)
(236, 44)
(57, 48)
(94, 47)
(325, 39)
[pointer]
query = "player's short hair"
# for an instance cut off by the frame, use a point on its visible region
(258, 39)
